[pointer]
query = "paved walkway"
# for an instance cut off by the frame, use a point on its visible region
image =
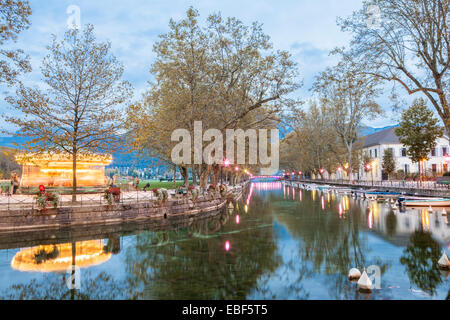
(22, 201)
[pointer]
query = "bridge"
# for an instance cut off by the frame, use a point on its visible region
(266, 178)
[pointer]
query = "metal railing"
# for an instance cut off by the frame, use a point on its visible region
(26, 202)
(424, 185)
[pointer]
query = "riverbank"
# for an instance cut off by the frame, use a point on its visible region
(421, 192)
(23, 219)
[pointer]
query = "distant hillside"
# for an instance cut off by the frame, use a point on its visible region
(11, 142)
(138, 161)
(119, 159)
(7, 163)
(366, 130)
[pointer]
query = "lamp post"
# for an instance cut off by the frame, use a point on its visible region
(225, 163)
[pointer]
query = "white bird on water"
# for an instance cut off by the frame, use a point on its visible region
(365, 284)
(354, 274)
(443, 262)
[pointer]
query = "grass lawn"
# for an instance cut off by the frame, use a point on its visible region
(160, 184)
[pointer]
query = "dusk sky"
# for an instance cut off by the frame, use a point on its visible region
(306, 28)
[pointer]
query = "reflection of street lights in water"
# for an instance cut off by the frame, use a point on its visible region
(370, 219)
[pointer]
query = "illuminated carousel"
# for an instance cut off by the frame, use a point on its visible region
(55, 170)
(61, 257)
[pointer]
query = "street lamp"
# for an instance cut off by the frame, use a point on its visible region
(321, 172)
(225, 163)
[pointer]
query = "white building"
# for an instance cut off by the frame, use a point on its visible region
(376, 143)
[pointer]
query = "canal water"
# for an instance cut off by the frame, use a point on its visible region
(277, 242)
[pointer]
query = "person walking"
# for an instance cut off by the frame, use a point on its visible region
(14, 183)
(136, 183)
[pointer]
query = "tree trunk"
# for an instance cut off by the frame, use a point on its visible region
(174, 176)
(74, 175)
(185, 173)
(73, 273)
(420, 173)
(215, 176)
(204, 175)
(349, 160)
(194, 175)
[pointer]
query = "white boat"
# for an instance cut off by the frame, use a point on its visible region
(428, 203)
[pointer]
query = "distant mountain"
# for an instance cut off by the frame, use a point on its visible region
(11, 142)
(366, 130)
(119, 159)
(135, 160)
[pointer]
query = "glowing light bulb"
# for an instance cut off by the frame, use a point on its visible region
(227, 246)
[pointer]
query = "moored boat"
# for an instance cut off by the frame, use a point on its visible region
(427, 203)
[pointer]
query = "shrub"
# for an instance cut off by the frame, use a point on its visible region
(42, 199)
(108, 196)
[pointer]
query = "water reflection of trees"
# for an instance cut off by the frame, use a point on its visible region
(331, 244)
(192, 262)
(421, 260)
(52, 286)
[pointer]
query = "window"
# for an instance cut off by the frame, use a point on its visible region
(403, 152)
(370, 151)
(434, 168)
(444, 151)
(433, 152)
(375, 152)
(406, 168)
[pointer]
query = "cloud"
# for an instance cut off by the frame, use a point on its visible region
(306, 28)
